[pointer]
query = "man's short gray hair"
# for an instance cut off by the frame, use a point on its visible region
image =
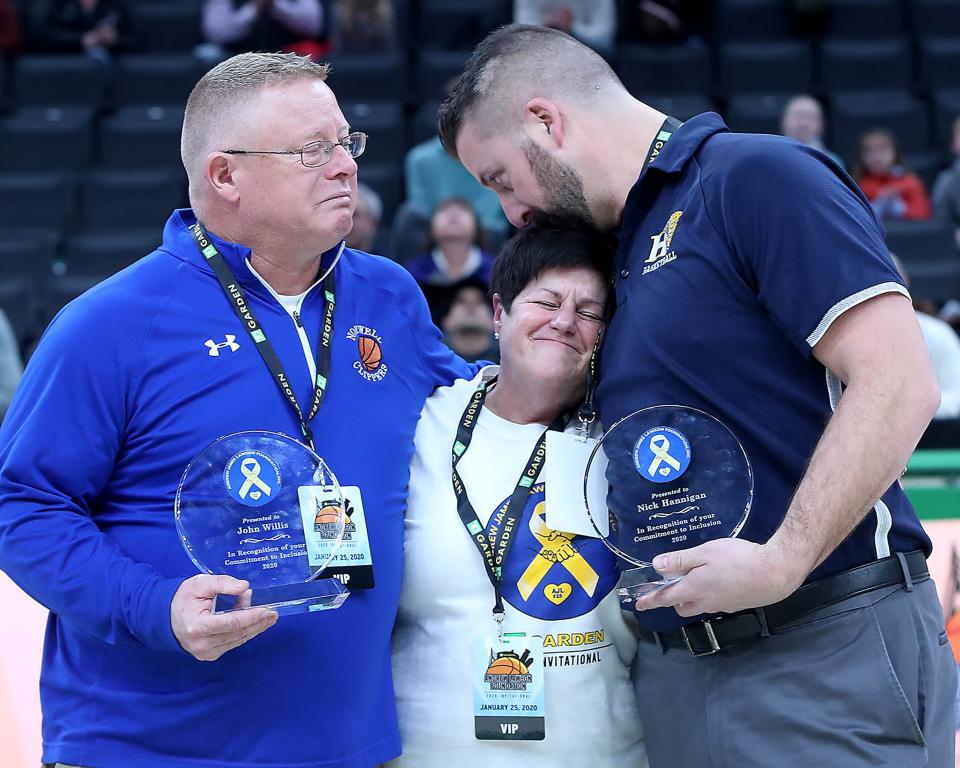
(216, 104)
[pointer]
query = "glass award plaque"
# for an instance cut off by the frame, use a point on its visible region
(263, 507)
(662, 479)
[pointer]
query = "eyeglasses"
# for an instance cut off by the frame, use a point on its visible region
(316, 153)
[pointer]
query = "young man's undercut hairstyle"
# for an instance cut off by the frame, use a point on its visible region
(541, 247)
(216, 103)
(516, 63)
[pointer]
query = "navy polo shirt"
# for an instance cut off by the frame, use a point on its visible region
(737, 252)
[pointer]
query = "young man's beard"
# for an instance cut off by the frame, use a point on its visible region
(562, 186)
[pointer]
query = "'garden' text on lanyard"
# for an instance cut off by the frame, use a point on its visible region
(241, 306)
(494, 548)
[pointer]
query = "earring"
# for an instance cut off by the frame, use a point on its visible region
(496, 335)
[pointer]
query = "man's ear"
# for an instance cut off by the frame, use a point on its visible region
(219, 170)
(542, 121)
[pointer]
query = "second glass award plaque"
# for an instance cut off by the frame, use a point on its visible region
(263, 507)
(665, 478)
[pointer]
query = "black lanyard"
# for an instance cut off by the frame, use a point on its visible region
(587, 413)
(664, 135)
(494, 547)
(238, 301)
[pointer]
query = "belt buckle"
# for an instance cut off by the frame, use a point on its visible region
(711, 636)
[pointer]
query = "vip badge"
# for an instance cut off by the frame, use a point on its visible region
(661, 454)
(252, 478)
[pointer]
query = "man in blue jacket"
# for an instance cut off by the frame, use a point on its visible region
(137, 376)
(752, 283)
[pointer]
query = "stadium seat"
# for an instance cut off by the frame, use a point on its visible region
(423, 125)
(168, 26)
(360, 77)
(128, 198)
(937, 282)
(435, 69)
(865, 19)
(46, 139)
(766, 67)
(58, 80)
(36, 200)
(922, 243)
(19, 300)
(452, 24)
(855, 65)
(926, 165)
(155, 79)
(99, 254)
(935, 18)
(669, 71)
(758, 113)
(946, 109)
(136, 138)
(854, 113)
(385, 129)
(27, 255)
(751, 20)
(388, 183)
(940, 62)
(4, 86)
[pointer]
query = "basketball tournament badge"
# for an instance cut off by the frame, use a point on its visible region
(352, 564)
(508, 700)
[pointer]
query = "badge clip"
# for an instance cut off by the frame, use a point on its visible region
(498, 617)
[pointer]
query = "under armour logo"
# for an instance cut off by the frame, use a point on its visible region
(214, 348)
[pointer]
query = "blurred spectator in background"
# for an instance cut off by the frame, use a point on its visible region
(98, 28)
(11, 367)
(895, 192)
(432, 176)
(944, 348)
(363, 26)
(455, 247)
(237, 26)
(467, 322)
(802, 120)
(10, 35)
(946, 189)
(365, 235)
(592, 22)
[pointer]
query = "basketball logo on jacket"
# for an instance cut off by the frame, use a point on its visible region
(370, 364)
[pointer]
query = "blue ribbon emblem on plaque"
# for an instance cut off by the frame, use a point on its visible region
(661, 454)
(252, 478)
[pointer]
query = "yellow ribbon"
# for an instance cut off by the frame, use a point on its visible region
(250, 469)
(555, 547)
(659, 446)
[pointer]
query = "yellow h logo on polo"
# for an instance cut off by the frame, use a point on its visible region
(661, 242)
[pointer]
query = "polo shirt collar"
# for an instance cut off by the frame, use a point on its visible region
(686, 141)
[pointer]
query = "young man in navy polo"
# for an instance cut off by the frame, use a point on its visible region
(752, 283)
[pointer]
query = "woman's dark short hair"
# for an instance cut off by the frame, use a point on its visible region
(541, 247)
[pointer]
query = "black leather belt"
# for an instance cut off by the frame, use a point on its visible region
(709, 637)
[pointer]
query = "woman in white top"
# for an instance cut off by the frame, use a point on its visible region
(464, 694)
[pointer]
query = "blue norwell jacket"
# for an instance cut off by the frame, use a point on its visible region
(129, 383)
